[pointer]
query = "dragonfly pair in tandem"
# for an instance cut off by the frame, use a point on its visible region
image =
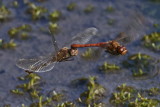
(46, 63)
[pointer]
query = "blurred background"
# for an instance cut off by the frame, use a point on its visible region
(91, 79)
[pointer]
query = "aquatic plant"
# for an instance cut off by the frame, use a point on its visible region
(15, 3)
(4, 13)
(89, 9)
(54, 27)
(140, 65)
(154, 91)
(93, 94)
(111, 22)
(7, 45)
(156, 25)
(21, 31)
(110, 9)
(155, 0)
(152, 41)
(71, 6)
(106, 67)
(144, 102)
(66, 104)
(36, 12)
(55, 16)
(132, 97)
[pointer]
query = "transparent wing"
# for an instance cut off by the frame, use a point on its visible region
(54, 42)
(42, 64)
(83, 37)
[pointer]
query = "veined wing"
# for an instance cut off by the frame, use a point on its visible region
(42, 64)
(83, 37)
(54, 42)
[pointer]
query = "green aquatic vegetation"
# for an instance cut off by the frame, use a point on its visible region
(21, 31)
(152, 41)
(93, 94)
(54, 27)
(15, 3)
(120, 98)
(106, 67)
(125, 94)
(140, 65)
(66, 104)
(89, 9)
(57, 96)
(7, 45)
(4, 13)
(32, 81)
(88, 54)
(154, 91)
(36, 12)
(144, 102)
(125, 88)
(131, 97)
(17, 91)
(155, 0)
(110, 9)
(111, 22)
(71, 6)
(31, 88)
(55, 16)
(156, 25)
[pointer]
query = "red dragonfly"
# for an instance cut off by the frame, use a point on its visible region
(112, 47)
(46, 63)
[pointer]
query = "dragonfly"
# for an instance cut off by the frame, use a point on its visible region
(47, 63)
(113, 47)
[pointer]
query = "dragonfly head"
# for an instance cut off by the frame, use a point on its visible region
(73, 52)
(121, 50)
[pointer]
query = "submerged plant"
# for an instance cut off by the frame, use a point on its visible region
(89, 9)
(109, 9)
(71, 6)
(106, 67)
(36, 12)
(4, 13)
(93, 94)
(144, 102)
(54, 28)
(152, 41)
(21, 31)
(131, 97)
(141, 65)
(55, 16)
(7, 45)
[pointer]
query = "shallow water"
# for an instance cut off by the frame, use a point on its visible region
(135, 17)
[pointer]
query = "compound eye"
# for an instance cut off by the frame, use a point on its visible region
(122, 50)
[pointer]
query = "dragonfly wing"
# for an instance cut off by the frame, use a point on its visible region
(83, 37)
(54, 42)
(36, 65)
